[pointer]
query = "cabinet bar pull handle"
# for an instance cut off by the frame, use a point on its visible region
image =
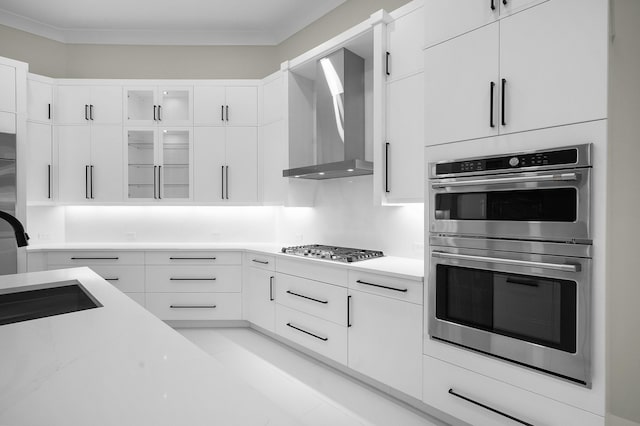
(49, 181)
(493, 4)
(324, 302)
(386, 63)
(112, 279)
(192, 306)
(49, 112)
(403, 290)
(192, 279)
(159, 112)
(192, 258)
(155, 188)
(227, 181)
(307, 332)
(271, 288)
(222, 182)
(486, 407)
(221, 112)
(154, 113)
(504, 86)
(95, 258)
(91, 180)
(349, 311)
(91, 112)
(565, 267)
(86, 182)
(86, 113)
(264, 262)
(492, 87)
(227, 113)
(386, 167)
(159, 183)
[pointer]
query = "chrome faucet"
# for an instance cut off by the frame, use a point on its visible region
(21, 236)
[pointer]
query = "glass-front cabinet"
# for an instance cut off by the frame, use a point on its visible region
(163, 106)
(159, 164)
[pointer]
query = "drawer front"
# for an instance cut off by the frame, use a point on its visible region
(193, 279)
(128, 279)
(195, 306)
(443, 381)
(137, 297)
(258, 260)
(322, 300)
(383, 285)
(86, 258)
(313, 270)
(193, 258)
(324, 337)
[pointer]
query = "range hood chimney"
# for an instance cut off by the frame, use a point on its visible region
(339, 91)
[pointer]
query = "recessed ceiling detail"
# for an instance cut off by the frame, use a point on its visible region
(164, 22)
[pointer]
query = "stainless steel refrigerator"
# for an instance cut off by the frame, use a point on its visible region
(8, 248)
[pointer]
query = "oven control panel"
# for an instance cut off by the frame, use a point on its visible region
(514, 161)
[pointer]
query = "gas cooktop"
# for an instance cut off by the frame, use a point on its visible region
(338, 254)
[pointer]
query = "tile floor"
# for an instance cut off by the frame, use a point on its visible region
(308, 390)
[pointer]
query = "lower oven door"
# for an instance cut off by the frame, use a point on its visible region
(531, 309)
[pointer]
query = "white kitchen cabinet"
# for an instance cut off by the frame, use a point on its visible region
(89, 163)
(226, 164)
(159, 163)
(385, 340)
(259, 297)
(159, 105)
(273, 154)
(404, 44)
(226, 105)
(194, 279)
(80, 104)
(194, 306)
(40, 165)
(452, 389)
(273, 96)
(458, 82)
(39, 101)
(444, 20)
(527, 71)
(7, 88)
(404, 145)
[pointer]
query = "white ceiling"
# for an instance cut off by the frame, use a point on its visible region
(164, 22)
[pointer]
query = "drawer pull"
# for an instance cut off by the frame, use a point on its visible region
(324, 339)
(324, 302)
(95, 258)
(112, 279)
(264, 262)
(192, 279)
(192, 306)
(515, 419)
(192, 258)
(403, 290)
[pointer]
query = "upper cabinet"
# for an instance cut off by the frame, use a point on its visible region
(7, 88)
(39, 101)
(444, 20)
(526, 71)
(226, 105)
(404, 45)
(156, 105)
(81, 104)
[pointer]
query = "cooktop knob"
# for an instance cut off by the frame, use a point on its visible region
(514, 161)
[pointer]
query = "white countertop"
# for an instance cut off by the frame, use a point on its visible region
(402, 267)
(115, 365)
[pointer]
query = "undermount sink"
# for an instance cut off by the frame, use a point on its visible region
(28, 303)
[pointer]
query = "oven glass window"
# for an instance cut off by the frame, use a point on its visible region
(530, 308)
(543, 205)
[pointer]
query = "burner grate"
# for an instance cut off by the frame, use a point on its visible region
(338, 254)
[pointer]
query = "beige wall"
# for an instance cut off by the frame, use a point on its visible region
(54, 59)
(623, 237)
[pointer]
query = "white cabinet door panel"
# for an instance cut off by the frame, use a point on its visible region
(405, 42)
(512, 6)
(457, 87)
(74, 157)
(7, 88)
(39, 173)
(273, 101)
(107, 161)
(208, 104)
(554, 59)
(72, 105)
(241, 183)
(243, 106)
(445, 19)
(259, 298)
(39, 101)
(107, 105)
(274, 154)
(208, 163)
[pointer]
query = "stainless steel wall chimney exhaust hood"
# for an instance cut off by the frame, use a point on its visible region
(339, 106)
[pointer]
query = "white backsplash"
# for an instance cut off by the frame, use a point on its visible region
(344, 215)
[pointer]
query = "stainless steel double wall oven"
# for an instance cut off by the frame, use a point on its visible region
(510, 258)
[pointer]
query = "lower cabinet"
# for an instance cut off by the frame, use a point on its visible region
(195, 306)
(483, 401)
(259, 297)
(385, 341)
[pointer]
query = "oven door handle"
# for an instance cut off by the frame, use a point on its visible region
(520, 179)
(514, 262)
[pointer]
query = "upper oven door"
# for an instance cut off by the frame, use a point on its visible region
(546, 205)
